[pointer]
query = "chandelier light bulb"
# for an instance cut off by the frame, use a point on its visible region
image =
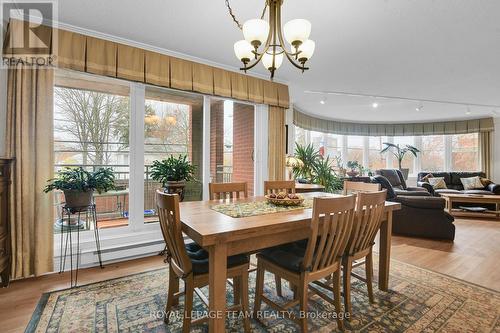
(256, 31)
(243, 50)
(297, 31)
(267, 61)
(306, 50)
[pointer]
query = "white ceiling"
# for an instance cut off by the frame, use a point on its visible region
(422, 49)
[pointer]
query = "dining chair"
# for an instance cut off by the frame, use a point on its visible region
(330, 228)
(189, 262)
(369, 214)
(276, 186)
(355, 187)
(227, 190)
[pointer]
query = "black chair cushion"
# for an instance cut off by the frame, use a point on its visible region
(199, 258)
(288, 256)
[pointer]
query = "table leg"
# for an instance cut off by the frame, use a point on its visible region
(217, 287)
(384, 258)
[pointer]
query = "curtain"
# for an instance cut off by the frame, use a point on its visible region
(30, 143)
(312, 123)
(485, 151)
(276, 151)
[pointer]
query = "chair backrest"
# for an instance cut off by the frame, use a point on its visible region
(227, 190)
(394, 176)
(355, 187)
(328, 240)
(276, 186)
(369, 213)
(170, 223)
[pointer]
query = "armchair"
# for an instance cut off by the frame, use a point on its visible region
(397, 181)
(420, 216)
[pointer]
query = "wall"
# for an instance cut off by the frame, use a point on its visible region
(3, 109)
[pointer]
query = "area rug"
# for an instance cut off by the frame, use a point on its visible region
(418, 301)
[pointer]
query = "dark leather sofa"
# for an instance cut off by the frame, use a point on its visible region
(395, 177)
(420, 216)
(454, 185)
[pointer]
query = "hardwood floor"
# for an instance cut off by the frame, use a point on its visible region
(472, 257)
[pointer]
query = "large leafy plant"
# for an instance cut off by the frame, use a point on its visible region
(309, 157)
(324, 175)
(79, 179)
(173, 169)
(399, 151)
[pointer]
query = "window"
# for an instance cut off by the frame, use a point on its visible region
(376, 160)
(465, 152)
(355, 149)
(173, 125)
(437, 152)
(91, 130)
(432, 154)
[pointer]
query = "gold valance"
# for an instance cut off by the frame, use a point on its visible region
(103, 57)
(312, 123)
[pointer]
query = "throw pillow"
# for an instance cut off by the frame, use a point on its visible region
(437, 183)
(426, 177)
(472, 183)
(485, 181)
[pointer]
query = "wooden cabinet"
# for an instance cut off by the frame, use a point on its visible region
(4, 228)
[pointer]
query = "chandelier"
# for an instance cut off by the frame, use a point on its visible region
(264, 40)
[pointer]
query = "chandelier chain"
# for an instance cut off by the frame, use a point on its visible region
(236, 20)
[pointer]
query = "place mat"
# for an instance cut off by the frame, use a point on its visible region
(245, 209)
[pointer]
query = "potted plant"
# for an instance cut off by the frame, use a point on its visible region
(79, 184)
(355, 167)
(173, 173)
(399, 152)
(324, 175)
(309, 157)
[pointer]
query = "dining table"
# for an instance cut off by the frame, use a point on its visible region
(247, 225)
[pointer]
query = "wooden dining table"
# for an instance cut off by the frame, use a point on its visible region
(222, 236)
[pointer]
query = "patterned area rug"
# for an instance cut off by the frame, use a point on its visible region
(418, 301)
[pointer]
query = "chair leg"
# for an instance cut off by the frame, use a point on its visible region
(173, 287)
(188, 304)
(303, 305)
(336, 295)
(236, 290)
(347, 285)
(244, 300)
(259, 289)
(369, 275)
(277, 280)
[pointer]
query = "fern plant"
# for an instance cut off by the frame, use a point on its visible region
(79, 179)
(173, 169)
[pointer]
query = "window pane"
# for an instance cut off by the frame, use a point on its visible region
(173, 125)
(465, 152)
(408, 160)
(91, 129)
(433, 153)
(232, 142)
(376, 160)
(355, 148)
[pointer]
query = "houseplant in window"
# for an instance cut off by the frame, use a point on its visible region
(308, 157)
(173, 173)
(399, 152)
(354, 167)
(78, 185)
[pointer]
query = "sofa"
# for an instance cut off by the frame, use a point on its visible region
(419, 216)
(454, 185)
(398, 183)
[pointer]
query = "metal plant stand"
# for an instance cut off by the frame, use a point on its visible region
(67, 230)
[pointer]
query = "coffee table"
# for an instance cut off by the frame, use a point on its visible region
(478, 199)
